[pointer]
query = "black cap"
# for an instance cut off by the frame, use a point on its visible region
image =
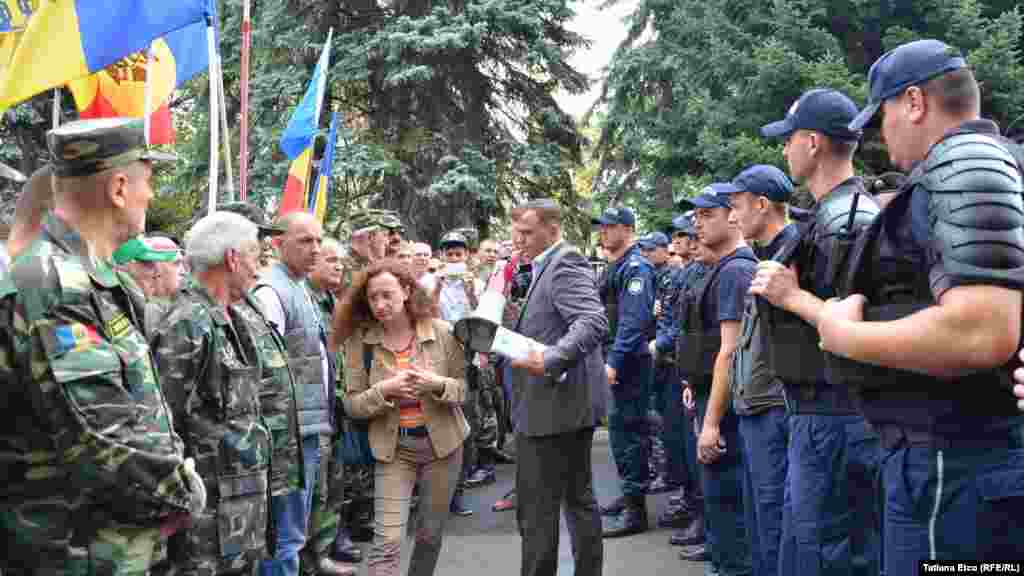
(905, 66)
(821, 110)
(254, 214)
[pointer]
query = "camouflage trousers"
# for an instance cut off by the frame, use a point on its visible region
(114, 550)
(483, 401)
(328, 501)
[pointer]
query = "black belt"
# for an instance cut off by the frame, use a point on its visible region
(417, 432)
(893, 436)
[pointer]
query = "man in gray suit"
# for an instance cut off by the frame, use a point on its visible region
(560, 394)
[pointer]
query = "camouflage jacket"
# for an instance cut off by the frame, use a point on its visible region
(352, 264)
(277, 398)
(85, 434)
(325, 302)
(210, 375)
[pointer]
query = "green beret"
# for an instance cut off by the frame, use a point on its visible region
(86, 147)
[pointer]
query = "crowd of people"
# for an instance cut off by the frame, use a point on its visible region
(826, 392)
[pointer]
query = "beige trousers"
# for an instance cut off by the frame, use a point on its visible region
(414, 462)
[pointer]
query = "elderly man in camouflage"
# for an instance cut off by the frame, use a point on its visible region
(94, 475)
(326, 521)
(278, 404)
(211, 381)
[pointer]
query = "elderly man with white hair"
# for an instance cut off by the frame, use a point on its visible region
(209, 369)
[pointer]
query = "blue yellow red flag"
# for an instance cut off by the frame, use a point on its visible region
(69, 39)
(120, 90)
(76, 338)
(294, 198)
(318, 201)
(303, 125)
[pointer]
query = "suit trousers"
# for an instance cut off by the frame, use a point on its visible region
(552, 471)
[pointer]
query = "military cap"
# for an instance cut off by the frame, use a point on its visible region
(86, 147)
(471, 235)
(364, 221)
(154, 249)
(615, 215)
(389, 220)
(654, 240)
(254, 214)
(906, 65)
(453, 238)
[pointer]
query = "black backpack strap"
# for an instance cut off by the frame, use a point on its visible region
(367, 358)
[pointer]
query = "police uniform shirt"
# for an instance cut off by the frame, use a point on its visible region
(728, 291)
(634, 281)
(783, 238)
(673, 285)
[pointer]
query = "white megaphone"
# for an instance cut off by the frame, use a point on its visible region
(482, 331)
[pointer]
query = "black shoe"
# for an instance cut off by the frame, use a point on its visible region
(676, 516)
(660, 485)
(344, 549)
(481, 477)
(695, 553)
(614, 508)
(691, 535)
(458, 506)
(632, 520)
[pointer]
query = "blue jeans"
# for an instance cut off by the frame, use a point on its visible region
(830, 495)
(627, 425)
(291, 515)
(964, 502)
(723, 499)
(765, 438)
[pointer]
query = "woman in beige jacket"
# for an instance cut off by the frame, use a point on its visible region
(411, 394)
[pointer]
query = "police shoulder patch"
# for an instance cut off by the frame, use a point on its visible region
(635, 286)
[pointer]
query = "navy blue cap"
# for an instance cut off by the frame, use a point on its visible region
(764, 180)
(715, 195)
(654, 240)
(620, 215)
(904, 66)
(822, 110)
(683, 224)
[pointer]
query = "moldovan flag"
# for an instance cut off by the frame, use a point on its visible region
(69, 39)
(14, 15)
(120, 89)
(318, 200)
(297, 140)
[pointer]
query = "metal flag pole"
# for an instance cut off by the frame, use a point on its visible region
(56, 107)
(211, 45)
(147, 98)
(229, 180)
(243, 140)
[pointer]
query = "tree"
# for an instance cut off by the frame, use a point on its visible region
(733, 66)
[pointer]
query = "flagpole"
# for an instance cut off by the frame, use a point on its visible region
(147, 98)
(229, 180)
(243, 141)
(56, 107)
(211, 45)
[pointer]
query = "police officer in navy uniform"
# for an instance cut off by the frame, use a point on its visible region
(759, 207)
(629, 296)
(833, 454)
(933, 296)
(655, 247)
(711, 333)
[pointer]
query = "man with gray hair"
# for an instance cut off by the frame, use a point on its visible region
(284, 293)
(211, 380)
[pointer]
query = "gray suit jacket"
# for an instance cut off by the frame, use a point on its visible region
(563, 310)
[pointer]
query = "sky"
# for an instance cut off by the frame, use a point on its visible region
(605, 30)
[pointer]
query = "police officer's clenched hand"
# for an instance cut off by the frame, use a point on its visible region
(710, 445)
(833, 318)
(775, 283)
(613, 376)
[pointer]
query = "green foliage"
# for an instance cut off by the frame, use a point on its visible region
(732, 66)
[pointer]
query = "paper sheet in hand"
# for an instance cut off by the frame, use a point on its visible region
(514, 345)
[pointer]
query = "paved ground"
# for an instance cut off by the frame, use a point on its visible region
(487, 543)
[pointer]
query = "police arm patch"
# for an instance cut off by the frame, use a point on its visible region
(635, 286)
